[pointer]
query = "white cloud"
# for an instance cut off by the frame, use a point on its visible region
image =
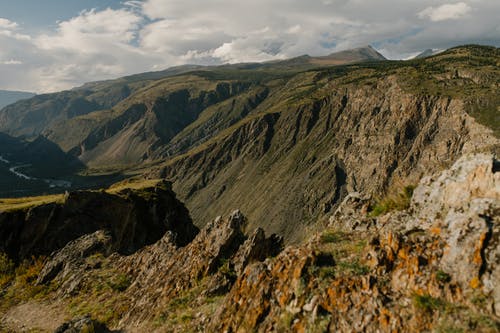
(90, 30)
(445, 12)
(155, 34)
(12, 62)
(7, 24)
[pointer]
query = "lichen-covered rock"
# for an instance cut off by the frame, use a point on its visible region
(431, 268)
(463, 205)
(163, 271)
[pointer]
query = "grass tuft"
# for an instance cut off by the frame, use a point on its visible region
(428, 303)
(399, 201)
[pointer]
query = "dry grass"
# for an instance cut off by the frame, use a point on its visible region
(11, 204)
(393, 201)
(133, 184)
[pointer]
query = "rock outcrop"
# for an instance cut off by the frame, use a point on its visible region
(133, 218)
(214, 257)
(434, 267)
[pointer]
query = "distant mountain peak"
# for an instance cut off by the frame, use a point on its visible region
(428, 53)
(359, 54)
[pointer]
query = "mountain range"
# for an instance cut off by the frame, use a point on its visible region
(315, 194)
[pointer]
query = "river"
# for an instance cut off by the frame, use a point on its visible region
(51, 182)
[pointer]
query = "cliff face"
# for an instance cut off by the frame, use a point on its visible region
(133, 218)
(284, 144)
(297, 162)
(431, 267)
(303, 155)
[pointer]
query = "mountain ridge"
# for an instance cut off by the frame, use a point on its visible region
(275, 197)
(9, 97)
(233, 136)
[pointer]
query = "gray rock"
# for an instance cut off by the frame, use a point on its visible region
(65, 264)
(83, 324)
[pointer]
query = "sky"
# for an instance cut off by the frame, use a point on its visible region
(52, 45)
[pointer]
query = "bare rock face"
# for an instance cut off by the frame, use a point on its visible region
(463, 205)
(218, 252)
(431, 268)
(68, 264)
(134, 218)
(256, 248)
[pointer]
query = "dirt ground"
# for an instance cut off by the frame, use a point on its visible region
(33, 317)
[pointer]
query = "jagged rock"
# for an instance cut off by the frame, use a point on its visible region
(421, 266)
(471, 177)
(351, 213)
(462, 204)
(83, 325)
(256, 248)
(214, 255)
(67, 263)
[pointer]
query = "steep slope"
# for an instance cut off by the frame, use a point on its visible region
(290, 144)
(149, 120)
(77, 110)
(325, 133)
(32, 116)
(8, 97)
(412, 270)
(133, 218)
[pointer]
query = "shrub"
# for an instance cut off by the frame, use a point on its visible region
(428, 303)
(400, 201)
(332, 237)
(443, 277)
(226, 268)
(7, 269)
(120, 282)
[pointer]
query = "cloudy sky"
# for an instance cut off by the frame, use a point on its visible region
(52, 45)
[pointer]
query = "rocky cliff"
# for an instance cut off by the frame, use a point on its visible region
(376, 184)
(132, 218)
(325, 133)
(279, 141)
(430, 267)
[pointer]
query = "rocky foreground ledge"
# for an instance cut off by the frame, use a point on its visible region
(432, 267)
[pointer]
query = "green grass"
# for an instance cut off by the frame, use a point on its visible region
(119, 282)
(346, 251)
(226, 268)
(353, 268)
(392, 202)
(28, 202)
(18, 283)
(428, 303)
(443, 277)
(13, 204)
(332, 236)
